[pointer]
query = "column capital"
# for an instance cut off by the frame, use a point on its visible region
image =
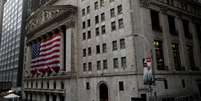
(145, 3)
(178, 15)
(163, 10)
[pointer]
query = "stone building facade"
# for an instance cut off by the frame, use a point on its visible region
(103, 46)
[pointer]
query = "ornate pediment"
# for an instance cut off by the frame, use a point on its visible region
(48, 15)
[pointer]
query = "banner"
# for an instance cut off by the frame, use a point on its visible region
(147, 74)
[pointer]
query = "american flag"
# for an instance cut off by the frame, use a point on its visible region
(46, 55)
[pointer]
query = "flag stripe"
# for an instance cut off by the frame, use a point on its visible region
(45, 59)
(50, 47)
(45, 64)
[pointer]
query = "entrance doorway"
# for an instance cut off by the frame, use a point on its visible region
(103, 92)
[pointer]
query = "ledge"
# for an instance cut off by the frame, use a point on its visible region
(53, 77)
(59, 91)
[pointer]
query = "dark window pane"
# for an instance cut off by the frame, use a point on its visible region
(172, 27)
(186, 29)
(114, 45)
(159, 54)
(176, 56)
(121, 85)
(115, 63)
(97, 49)
(90, 66)
(155, 21)
(105, 64)
(98, 65)
(87, 85)
(165, 84)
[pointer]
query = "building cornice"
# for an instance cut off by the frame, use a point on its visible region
(184, 7)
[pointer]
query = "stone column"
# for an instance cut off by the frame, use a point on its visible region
(196, 47)
(182, 45)
(27, 61)
(42, 97)
(68, 46)
(57, 98)
(166, 38)
(50, 98)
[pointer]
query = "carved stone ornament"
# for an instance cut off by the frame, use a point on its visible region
(47, 14)
(163, 9)
(145, 3)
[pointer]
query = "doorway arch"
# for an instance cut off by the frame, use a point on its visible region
(103, 92)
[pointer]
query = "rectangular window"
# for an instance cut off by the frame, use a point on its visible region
(96, 19)
(89, 35)
(36, 84)
(113, 26)
(115, 63)
(55, 85)
(88, 9)
(121, 86)
(84, 67)
(198, 30)
(121, 23)
(104, 46)
(159, 55)
(97, 31)
(119, 8)
(48, 85)
(88, 22)
(89, 51)
(31, 84)
(83, 12)
(123, 62)
(41, 84)
(165, 84)
(187, 33)
(176, 56)
(98, 65)
(122, 44)
(183, 83)
(103, 29)
(87, 85)
(112, 13)
(97, 49)
(114, 45)
(96, 5)
(83, 24)
(84, 36)
(102, 3)
(172, 27)
(62, 85)
(90, 66)
(155, 21)
(102, 17)
(190, 57)
(84, 52)
(105, 64)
